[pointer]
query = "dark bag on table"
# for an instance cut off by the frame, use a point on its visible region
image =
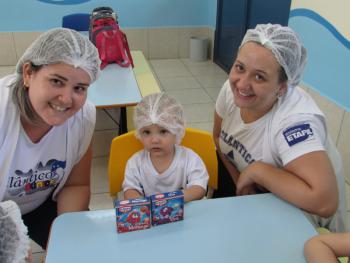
(110, 41)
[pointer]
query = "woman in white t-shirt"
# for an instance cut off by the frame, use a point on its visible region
(271, 136)
(46, 126)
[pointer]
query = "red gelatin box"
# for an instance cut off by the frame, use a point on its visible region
(167, 207)
(133, 214)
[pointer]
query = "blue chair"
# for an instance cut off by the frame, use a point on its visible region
(78, 21)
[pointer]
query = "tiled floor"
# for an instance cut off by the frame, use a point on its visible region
(196, 85)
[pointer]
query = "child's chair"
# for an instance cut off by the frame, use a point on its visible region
(78, 21)
(124, 146)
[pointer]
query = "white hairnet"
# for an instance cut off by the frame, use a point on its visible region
(63, 45)
(163, 110)
(14, 242)
(284, 44)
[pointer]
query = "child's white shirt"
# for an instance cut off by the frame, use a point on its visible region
(187, 169)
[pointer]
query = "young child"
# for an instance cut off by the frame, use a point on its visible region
(163, 165)
(327, 247)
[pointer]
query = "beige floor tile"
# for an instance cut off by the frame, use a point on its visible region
(213, 92)
(169, 68)
(99, 176)
(190, 96)
(172, 72)
(210, 70)
(179, 83)
(101, 201)
(199, 112)
(211, 81)
(166, 63)
(190, 63)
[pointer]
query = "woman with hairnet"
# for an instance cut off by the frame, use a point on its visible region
(46, 126)
(163, 165)
(271, 136)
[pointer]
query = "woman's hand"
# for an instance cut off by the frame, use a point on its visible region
(245, 184)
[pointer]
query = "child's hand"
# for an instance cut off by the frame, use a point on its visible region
(132, 194)
(194, 192)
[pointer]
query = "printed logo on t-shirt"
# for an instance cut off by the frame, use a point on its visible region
(298, 133)
(237, 146)
(40, 178)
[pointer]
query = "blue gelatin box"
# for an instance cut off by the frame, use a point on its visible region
(167, 207)
(133, 214)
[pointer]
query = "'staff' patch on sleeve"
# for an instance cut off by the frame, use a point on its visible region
(298, 133)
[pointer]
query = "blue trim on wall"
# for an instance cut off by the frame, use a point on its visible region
(316, 17)
(64, 2)
(328, 60)
(41, 15)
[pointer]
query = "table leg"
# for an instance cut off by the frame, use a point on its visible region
(123, 128)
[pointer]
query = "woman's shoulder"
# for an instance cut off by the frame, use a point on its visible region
(225, 101)
(89, 110)
(296, 110)
(7, 107)
(85, 116)
(4, 85)
(297, 102)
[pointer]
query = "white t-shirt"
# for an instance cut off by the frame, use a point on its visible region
(187, 169)
(243, 143)
(35, 170)
(293, 127)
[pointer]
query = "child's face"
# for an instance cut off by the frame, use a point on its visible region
(158, 140)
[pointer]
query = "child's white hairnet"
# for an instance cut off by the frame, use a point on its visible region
(163, 110)
(14, 242)
(284, 44)
(63, 45)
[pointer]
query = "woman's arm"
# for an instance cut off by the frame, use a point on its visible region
(234, 173)
(75, 195)
(308, 182)
(327, 247)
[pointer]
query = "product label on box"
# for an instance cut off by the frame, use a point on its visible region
(167, 207)
(133, 214)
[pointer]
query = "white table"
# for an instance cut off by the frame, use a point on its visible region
(258, 228)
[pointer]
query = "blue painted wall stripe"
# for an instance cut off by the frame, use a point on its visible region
(41, 15)
(316, 17)
(328, 57)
